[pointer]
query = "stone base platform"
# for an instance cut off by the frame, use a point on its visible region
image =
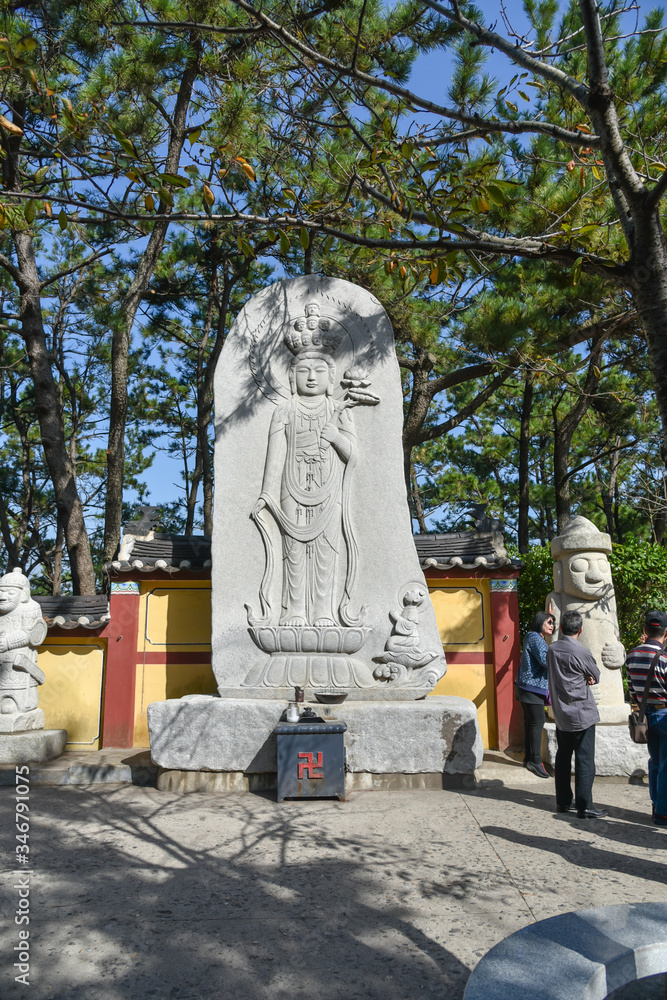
(18, 722)
(90, 767)
(438, 735)
(33, 745)
(615, 753)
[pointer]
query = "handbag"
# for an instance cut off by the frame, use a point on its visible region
(637, 723)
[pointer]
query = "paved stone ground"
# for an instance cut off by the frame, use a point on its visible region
(391, 895)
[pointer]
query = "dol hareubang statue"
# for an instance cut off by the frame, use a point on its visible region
(583, 583)
(22, 630)
(310, 452)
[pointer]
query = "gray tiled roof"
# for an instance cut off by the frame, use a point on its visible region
(171, 553)
(75, 611)
(463, 549)
(161, 551)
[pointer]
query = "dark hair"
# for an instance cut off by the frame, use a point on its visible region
(538, 621)
(571, 622)
(655, 631)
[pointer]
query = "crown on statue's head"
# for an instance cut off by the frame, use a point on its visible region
(312, 333)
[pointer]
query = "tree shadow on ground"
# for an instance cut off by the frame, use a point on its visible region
(146, 895)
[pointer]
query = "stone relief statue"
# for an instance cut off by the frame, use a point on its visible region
(309, 458)
(22, 630)
(312, 534)
(403, 662)
(583, 583)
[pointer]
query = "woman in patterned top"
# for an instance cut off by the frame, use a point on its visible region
(533, 689)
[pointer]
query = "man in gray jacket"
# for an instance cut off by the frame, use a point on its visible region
(572, 670)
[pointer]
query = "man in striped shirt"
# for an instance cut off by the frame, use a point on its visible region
(638, 664)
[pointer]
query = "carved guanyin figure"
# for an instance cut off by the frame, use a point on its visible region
(310, 454)
(22, 630)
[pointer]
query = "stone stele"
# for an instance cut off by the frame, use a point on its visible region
(583, 583)
(22, 629)
(316, 581)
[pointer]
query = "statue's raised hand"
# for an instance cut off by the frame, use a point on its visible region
(613, 655)
(329, 433)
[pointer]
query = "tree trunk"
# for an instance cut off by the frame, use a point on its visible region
(205, 374)
(524, 470)
(58, 562)
(608, 490)
(561, 477)
(649, 292)
(545, 511)
(420, 400)
(49, 413)
(13, 557)
(121, 337)
(565, 427)
(207, 406)
(659, 522)
(542, 527)
(416, 500)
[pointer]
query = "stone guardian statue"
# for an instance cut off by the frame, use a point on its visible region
(583, 583)
(22, 630)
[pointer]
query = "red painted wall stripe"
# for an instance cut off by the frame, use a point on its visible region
(185, 657)
(460, 656)
(175, 657)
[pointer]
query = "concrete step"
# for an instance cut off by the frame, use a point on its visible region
(111, 766)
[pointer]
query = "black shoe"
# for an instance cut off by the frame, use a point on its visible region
(592, 813)
(538, 769)
(565, 809)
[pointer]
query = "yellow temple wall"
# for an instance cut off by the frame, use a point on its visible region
(71, 697)
(174, 645)
(463, 615)
(173, 657)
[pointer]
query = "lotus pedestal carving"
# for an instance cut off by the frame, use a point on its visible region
(311, 657)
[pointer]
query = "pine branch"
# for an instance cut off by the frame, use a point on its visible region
(485, 36)
(414, 100)
(431, 433)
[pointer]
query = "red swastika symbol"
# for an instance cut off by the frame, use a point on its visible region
(308, 764)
